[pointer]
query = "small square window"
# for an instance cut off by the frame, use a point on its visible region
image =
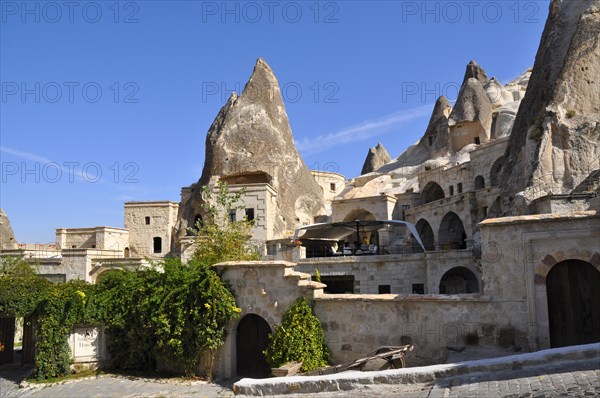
(418, 288)
(250, 214)
(332, 186)
(147, 220)
(477, 141)
(460, 188)
(384, 289)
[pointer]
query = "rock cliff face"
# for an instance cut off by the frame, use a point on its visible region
(251, 138)
(377, 157)
(7, 237)
(554, 144)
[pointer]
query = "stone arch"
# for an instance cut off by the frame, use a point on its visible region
(252, 338)
(495, 171)
(573, 303)
(452, 233)
(459, 280)
(359, 214)
(103, 271)
(479, 182)
(431, 192)
(426, 233)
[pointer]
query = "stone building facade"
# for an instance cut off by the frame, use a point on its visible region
(499, 268)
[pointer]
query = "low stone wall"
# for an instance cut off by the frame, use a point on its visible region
(357, 324)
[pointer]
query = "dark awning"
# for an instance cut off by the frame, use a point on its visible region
(339, 230)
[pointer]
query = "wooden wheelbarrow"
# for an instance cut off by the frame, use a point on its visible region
(385, 357)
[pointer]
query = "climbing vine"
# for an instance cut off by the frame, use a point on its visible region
(299, 338)
(171, 313)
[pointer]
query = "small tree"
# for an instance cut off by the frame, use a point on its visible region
(299, 338)
(219, 237)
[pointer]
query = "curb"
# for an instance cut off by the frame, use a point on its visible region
(349, 380)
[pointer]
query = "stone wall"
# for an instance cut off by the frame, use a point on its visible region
(162, 217)
(357, 324)
(101, 238)
(520, 251)
(379, 207)
(261, 198)
(327, 181)
(400, 272)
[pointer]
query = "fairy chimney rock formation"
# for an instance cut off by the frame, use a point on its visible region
(555, 143)
(251, 141)
(376, 157)
(471, 117)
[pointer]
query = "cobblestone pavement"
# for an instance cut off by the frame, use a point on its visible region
(575, 379)
(10, 379)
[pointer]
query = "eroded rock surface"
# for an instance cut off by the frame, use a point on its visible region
(555, 141)
(251, 138)
(7, 237)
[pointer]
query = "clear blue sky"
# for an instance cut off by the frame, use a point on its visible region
(129, 90)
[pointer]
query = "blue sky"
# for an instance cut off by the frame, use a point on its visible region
(106, 102)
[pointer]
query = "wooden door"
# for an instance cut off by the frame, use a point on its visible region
(573, 292)
(252, 339)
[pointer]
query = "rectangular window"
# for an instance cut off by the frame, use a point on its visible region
(459, 186)
(418, 288)
(404, 208)
(338, 284)
(384, 289)
(232, 216)
(430, 140)
(477, 140)
(249, 214)
(272, 249)
(147, 220)
(332, 186)
(451, 190)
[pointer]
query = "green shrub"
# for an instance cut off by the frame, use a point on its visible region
(299, 338)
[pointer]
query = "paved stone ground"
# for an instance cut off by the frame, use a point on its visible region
(574, 379)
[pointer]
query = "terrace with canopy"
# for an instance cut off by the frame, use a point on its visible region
(351, 238)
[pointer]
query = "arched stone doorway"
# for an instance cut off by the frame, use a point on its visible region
(573, 303)
(479, 182)
(251, 340)
(459, 280)
(431, 192)
(452, 233)
(426, 233)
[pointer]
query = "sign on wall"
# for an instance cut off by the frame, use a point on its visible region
(88, 343)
